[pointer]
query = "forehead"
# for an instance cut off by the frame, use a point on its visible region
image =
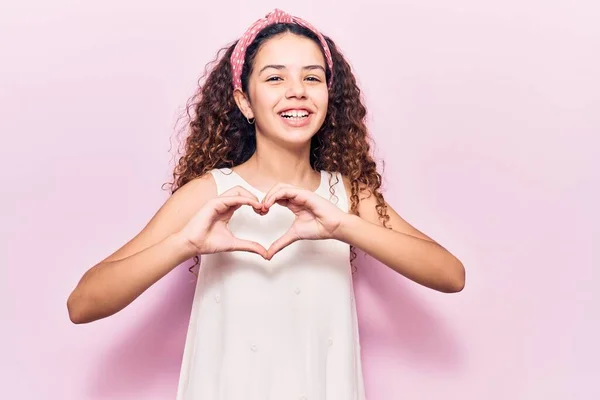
(289, 49)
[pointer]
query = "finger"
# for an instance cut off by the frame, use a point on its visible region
(288, 238)
(286, 193)
(224, 204)
(283, 202)
(272, 197)
(239, 191)
(231, 201)
(249, 246)
(274, 189)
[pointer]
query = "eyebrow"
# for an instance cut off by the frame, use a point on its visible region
(280, 67)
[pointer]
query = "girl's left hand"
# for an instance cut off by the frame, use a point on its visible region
(316, 217)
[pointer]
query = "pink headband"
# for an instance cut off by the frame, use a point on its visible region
(274, 17)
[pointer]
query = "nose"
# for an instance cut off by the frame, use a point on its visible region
(296, 88)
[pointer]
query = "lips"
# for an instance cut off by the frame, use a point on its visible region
(296, 108)
(295, 113)
(296, 117)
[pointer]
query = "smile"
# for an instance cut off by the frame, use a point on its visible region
(294, 114)
(296, 118)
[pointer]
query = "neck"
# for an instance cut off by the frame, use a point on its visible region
(271, 163)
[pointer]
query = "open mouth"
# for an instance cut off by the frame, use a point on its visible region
(295, 115)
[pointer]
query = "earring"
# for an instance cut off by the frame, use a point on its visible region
(250, 122)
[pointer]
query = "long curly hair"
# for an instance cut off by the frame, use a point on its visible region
(219, 136)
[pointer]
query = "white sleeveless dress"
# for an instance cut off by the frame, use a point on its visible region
(284, 329)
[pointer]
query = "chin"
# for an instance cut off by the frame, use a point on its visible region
(295, 134)
(296, 139)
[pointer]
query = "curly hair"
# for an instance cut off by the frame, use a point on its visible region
(218, 135)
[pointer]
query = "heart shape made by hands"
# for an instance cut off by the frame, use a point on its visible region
(289, 214)
(265, 228)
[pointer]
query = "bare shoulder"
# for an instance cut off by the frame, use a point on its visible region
(190, 197)
(367, 210)
(171, 217)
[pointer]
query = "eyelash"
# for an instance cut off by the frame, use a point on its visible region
(313, 77)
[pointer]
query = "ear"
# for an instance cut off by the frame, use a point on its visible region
(243, 103)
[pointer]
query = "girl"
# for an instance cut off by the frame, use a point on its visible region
(275, 189)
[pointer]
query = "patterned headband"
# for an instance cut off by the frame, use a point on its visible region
(274, 17)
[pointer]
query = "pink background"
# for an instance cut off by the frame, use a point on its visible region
(487, 116)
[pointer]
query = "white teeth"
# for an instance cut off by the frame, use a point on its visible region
(295, 114)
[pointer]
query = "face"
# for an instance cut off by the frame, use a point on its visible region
(287, 91)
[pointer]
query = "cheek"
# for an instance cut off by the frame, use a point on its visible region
(323, 101)
(265, 101)
(320, 97)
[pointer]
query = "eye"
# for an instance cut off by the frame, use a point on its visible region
(313, 78)
(273, 78)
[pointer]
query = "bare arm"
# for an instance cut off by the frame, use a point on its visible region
(403, 248)
(118, 280)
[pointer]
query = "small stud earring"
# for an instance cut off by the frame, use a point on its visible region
(250, 122)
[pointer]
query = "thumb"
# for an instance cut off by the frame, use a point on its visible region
(249, 246)
(288, 238)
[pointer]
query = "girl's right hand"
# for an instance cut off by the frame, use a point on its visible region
(207, 230)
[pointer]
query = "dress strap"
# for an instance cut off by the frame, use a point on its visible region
(224, 178)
